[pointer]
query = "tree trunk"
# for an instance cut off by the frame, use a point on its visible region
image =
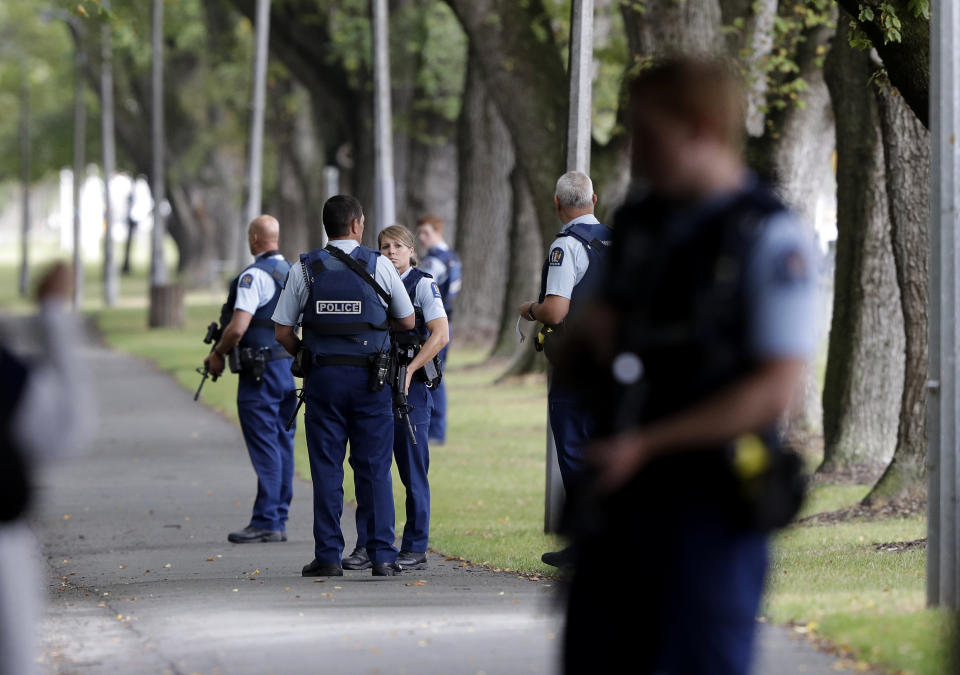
(864, 378)
(526, 251)
(484, 211)
(522, 68)
(907, 153)
(802, 161)
(667, 26)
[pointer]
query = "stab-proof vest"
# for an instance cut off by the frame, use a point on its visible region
(451, 285)
(419, 334)
(596, 241)
(344, 315)
(260, 333)
(680, 282)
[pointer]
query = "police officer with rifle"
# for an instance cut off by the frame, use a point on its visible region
(266, 390)
(416, 375)
(691, 356)
(349, 297)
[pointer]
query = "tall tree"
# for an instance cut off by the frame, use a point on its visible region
(484, 209)
(907, 159)
(864, 378)
(521, 65)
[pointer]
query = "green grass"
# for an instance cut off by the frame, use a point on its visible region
(488, 492)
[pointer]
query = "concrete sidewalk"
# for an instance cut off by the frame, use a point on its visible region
(142, 579)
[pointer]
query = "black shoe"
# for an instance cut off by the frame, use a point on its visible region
(319, 569)
(563, 559)
(410, 560)
(251, 535)
(387, 569)
(358, 560)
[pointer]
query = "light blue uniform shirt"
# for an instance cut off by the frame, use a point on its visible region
(573, 261)
(427, 297)
(296, 292)
(782, 276)
(255, 288)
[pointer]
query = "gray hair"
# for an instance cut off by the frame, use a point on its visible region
(575, 189)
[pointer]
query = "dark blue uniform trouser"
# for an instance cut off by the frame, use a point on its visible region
(572, 427)
(341, 407)
(438, 405)
(689, 606)
(413, 462)
(264, 410)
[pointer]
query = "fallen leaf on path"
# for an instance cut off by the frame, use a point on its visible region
(123, 567)
(286, 588)
(168, 565)
(417, 583)
(209, 559)
(318, 581)
(67, 516)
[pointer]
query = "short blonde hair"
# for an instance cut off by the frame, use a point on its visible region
(401, 234)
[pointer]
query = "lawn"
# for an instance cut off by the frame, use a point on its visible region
(488, 493)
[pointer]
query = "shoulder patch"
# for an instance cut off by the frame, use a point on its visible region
(556, 257)
(246, 281)
(436, 290)
(790, 267)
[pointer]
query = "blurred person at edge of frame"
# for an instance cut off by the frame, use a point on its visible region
(46, 413)
(695, 346)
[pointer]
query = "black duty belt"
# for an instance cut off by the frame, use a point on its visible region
(343, 360)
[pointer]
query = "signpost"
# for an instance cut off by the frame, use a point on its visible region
(943, 408)
(385, 188)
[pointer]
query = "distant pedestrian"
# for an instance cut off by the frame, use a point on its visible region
(46, 413)
(443, 264)
(266, 392)
(705, 322)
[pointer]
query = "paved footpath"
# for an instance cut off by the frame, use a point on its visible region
(142, 579)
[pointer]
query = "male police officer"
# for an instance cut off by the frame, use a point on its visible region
(705, 322)
(349, 297)
(266, 394)
(571, 272)
(442, 263)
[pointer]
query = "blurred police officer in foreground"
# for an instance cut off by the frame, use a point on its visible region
(266, 395)
(350, 297)
(442, 263)
(705, 322)
(46, 414)
(571, 272)
(414, 350)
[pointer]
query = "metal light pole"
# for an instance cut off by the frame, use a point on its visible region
(385, 188)
(255, 168)
(943, 409)
(79, 146)
(109, 159)
(158, 272)
(24, 177)
(579, 136)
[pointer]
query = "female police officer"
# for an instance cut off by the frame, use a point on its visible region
(425, 341)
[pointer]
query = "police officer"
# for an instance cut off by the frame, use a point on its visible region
(442, 263)
(424, 342)
(705, 323)
(570, 274)
(349, 297)
(266, 394)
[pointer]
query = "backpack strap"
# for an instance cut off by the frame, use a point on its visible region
(354, 265)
